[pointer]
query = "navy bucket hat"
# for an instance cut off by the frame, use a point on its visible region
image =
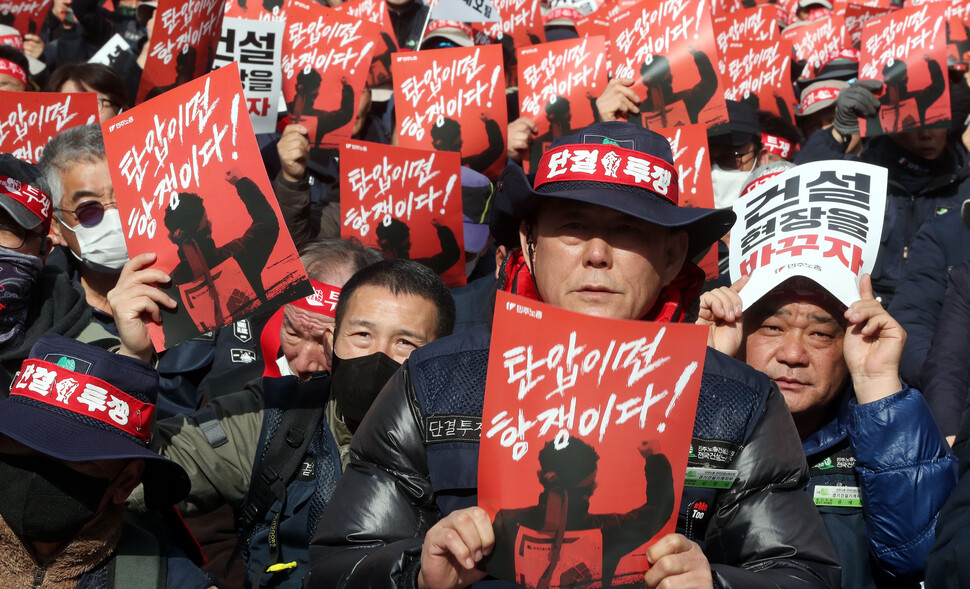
(620, 166)
(76, 402)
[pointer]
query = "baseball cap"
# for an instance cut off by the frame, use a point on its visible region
(23, 194)
(819, 96)
(617, 165)
(743, 122)
(476, 200)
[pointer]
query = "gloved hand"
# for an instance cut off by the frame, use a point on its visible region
(858, 100)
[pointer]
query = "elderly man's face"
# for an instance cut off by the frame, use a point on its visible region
(926, 143)
(601, 262)
(799, 346)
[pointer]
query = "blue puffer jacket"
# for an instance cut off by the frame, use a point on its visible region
(940, 245)
(892, 451)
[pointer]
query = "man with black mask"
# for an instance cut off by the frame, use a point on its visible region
(250, 449)
(35, 300)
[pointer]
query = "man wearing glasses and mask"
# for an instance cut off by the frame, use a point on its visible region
(734, 155)
(35, 300)
(86, 217)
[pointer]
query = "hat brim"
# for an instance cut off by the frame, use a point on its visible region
(703, 226)
(19, 213)
(476, 236)
(65, 438)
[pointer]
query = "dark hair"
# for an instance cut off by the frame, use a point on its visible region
(407, 278)
(325, 258)
(15, 55)
(95, 76)
(557, 107)
(309, 78)
(772, 124)
(570, 465)
(187, 214)
(657, 69)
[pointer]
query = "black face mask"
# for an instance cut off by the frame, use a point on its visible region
(44, 501)
(356, 383)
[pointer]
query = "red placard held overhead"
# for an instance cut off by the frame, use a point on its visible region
(326, 59)
(269, 10)
(29, 119)
(856, 16)
(27, 15)
(814, 41)
(405, 202)
(750, 24)
(183, 44)
(559, 83)
(520, 20)
(453, 100)
(688, 143)
(191, 187)
(375, 11)
(906, 51)
(597, 412)
(759, 73)
(667, 48)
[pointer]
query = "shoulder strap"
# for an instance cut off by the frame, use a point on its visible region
(138, 562)
(281, 460)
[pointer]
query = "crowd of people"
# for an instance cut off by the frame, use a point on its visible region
(292, 449)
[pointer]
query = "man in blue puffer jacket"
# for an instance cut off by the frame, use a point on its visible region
(879, 469)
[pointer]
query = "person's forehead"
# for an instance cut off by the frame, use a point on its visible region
(303, 320)
(793, 308)
(378, 306)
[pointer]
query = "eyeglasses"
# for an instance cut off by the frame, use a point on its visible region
(104, 103)
(733, 159)
(89, 213)
(13, 237)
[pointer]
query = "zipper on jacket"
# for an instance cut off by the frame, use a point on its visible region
(38, 576)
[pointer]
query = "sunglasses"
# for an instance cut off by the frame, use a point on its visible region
(88, 213)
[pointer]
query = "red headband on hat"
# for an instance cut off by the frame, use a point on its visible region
(818, 95)
(15, 41)
(777, 146)
(610, 164)
(84, 395)
(322, 301)
(449, 24)
(34, 199)
(11, 69)
(564, 12)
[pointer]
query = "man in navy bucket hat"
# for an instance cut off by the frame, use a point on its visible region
(602, 233)
(73, 446)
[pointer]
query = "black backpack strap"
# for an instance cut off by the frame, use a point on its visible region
(282, 459)
(138, 562)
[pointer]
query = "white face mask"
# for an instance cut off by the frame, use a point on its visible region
(727, 185)
(102, 246)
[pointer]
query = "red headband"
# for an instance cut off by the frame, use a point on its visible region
(11, 69)
(84, 395)
(777, 146)
(449, 24)
(322, 301)
(36, 201)
(609, 164)
(564, 12)
(758, 182)
(15, 41)
(818, 95)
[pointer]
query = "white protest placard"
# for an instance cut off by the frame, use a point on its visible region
(465, 11)
(116, 53)
(257, 46)
(821, 220)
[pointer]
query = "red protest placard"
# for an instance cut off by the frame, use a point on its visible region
(453, 100)
(597, 413)
(689, 146)
(840, 6)
(256, 9)
(27, 16)
(667, 48)
(856, 15)
(191, 187)
(558, 86)
(721, 8)
(405, 202)
(29, 119)
(906, 51)
(326, 59)
(759, 73)
(183, 44)
(813, 41)
(375, 11)
(520, 20)
(750, 24)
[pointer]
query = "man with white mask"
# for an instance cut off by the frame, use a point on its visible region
(86, 217)
(735, 154)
